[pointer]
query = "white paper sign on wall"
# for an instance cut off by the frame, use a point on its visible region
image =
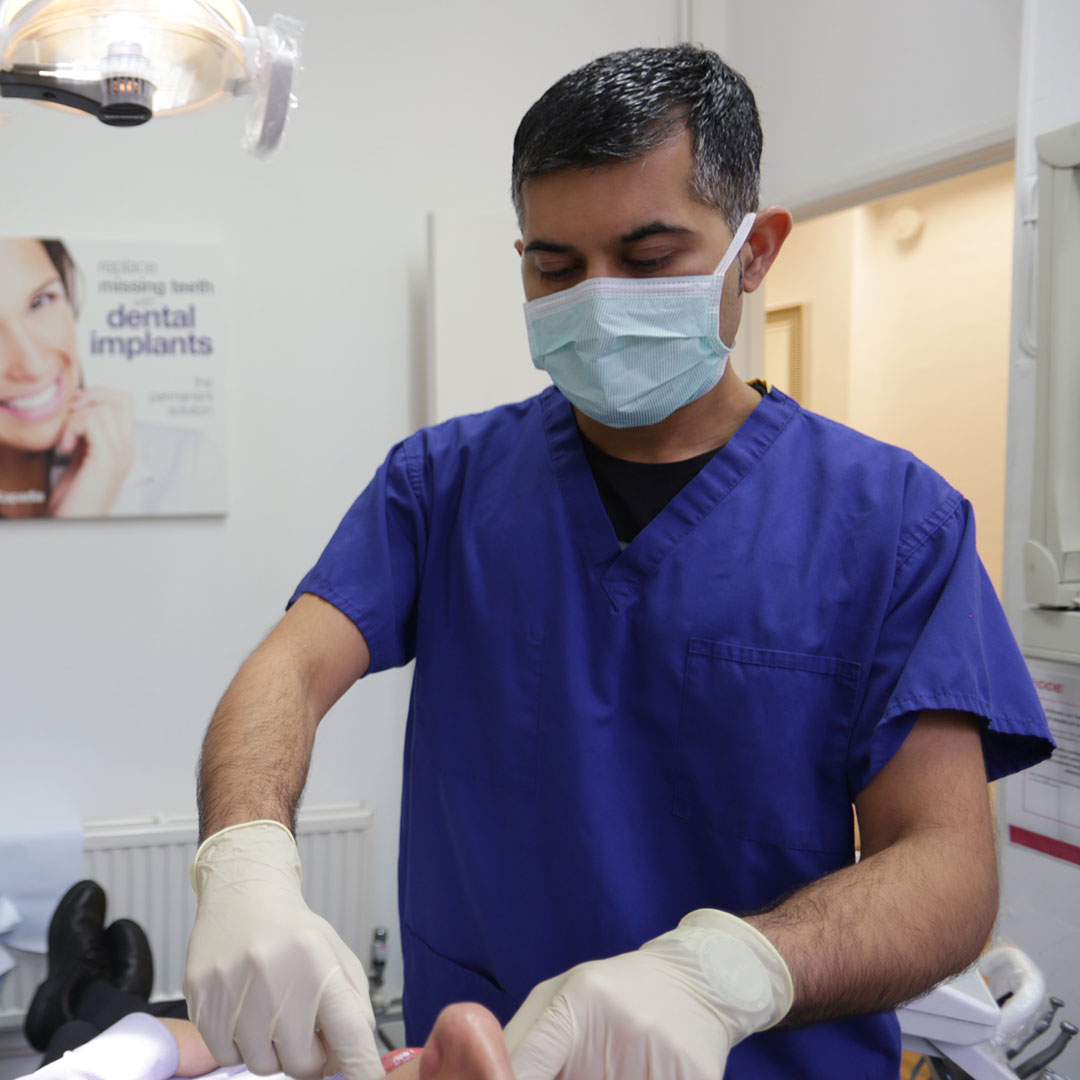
(1044, 802)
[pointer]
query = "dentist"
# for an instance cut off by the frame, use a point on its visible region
(668, 628)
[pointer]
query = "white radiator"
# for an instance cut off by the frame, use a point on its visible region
(142, 864)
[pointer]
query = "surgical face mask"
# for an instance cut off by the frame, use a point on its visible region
(629, 352)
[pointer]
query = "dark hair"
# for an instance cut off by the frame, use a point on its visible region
(624, 104)
(61, 258)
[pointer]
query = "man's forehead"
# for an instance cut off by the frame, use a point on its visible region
(614, 200)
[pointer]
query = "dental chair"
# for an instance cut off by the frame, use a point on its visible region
(982, 1024)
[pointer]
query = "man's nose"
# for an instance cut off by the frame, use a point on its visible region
(22, 358)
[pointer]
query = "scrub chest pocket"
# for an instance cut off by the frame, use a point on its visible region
(763, 739)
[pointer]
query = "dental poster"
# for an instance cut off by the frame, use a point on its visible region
(112, 366)
(1043, 803)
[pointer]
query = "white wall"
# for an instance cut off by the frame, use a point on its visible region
(118, 638)
(853, 94)
(467, 374)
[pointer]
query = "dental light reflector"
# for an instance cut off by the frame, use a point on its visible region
(125, 61)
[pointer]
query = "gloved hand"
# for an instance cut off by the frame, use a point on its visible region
(262, 967)
(670, 1011)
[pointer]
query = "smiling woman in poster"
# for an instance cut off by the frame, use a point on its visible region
(68, 449)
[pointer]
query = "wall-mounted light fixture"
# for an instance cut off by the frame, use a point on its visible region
(125, 61)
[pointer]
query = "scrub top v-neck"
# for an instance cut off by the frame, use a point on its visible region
(619, 570)
(634, 492)
(601, 740)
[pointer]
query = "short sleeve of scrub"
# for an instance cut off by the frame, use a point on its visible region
(945, 644)
(370, 569)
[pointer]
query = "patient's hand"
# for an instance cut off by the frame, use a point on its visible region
(195, 1058)
(465, 1044)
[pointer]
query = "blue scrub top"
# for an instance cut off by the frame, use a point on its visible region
(601, 740)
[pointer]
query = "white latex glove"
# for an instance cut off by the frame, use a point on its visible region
(262, 967)
(670, 1011)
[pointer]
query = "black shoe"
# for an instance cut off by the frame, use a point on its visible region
(76, 951)
(131, 965)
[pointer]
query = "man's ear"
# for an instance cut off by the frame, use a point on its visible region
(771, 228)
(519, 247)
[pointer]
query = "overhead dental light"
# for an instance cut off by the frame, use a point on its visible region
(125, 61)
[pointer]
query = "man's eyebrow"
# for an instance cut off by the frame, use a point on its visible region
(652, 229)
(547, 245)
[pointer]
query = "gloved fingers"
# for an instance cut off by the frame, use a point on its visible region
(255, 1029)
(275, 1011)
(213, 1017)
(542, 1052)
(305, 1059)
(352, 977)
(224, 1053)
(347, 1028)
(332, 1066)
(259, 1056)
(652, 1054)
(297, 1044)
(352, 971)
(532, 1008)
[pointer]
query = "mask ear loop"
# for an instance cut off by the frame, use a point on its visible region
(737, 241)
(742, 233)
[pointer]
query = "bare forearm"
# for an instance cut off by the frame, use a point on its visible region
(257, 750)
(874, 935)
(258, 747)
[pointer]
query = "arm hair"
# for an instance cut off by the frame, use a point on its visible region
(920, 904)
(257, 750)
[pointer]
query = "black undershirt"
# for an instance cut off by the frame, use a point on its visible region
(634, 492)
